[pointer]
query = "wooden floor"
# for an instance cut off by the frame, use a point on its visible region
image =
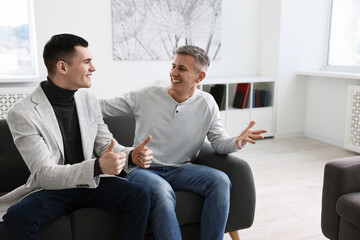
(288, 176)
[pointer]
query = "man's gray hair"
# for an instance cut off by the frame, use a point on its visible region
(199, 54)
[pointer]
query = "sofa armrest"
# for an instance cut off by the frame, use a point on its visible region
(341, 176)
(242, 194)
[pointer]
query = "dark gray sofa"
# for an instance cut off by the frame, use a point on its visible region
(340, 217)
(95, 224)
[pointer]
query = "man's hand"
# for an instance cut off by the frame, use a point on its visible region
(249, 135)
(141, 155)
(112, 163)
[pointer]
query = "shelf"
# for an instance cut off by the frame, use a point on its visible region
(242, 79)
(235, 120)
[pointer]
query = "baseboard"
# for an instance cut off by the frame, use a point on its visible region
(325, 139)
(321, 138)
(289, 135)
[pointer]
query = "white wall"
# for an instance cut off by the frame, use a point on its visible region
(302, 38)
(91, 19)
(270, 14)
(326, 108)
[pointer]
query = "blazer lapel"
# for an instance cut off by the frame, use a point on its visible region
(83, 115)
(46, 112)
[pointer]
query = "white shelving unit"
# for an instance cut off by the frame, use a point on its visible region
(236, 120)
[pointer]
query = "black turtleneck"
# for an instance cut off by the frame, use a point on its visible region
(63, 103)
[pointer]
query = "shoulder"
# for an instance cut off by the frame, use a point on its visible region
(29, 102)
(86, 94)
(150, 90)
(146, 93)
(22, 104)
(207, 98)
(86, 97)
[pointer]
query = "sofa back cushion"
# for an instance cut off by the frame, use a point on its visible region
(122, 128)
(13, 170)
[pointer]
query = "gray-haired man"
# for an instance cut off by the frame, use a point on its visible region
(179, 118)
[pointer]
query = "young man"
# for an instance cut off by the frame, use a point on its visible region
(179, 119)
(56, 129)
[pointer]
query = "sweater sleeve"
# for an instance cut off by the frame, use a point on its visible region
(217, 136)
(124, 104)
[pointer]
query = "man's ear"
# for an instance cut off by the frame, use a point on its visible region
(61, 67)
(201, 77)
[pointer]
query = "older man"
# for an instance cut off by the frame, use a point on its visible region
(179, 118)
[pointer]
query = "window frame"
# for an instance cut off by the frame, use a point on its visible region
(34, 76)
(335, 68)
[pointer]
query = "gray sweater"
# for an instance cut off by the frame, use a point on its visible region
(178, 130)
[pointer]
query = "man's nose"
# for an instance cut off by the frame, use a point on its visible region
(92, 68)
(173, 72)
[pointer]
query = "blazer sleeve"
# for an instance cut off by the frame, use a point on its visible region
(103, 138)
(44, 159)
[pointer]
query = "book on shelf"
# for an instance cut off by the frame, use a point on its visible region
(266, 101)
(241, 95)
(219, 93)
(238, 100)
(260, 98)
(253, 98)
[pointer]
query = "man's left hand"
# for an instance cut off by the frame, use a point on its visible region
(249, 135)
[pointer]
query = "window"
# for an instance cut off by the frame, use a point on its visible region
(344, 38)
(17, 45)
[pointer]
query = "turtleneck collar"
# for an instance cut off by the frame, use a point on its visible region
(57, 94)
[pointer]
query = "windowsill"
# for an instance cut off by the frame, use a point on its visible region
(330, 74)
(19, 79)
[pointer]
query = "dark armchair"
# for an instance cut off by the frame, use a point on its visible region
(340, 217)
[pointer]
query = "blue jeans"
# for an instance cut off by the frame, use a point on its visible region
(212, 184)
(132, 201)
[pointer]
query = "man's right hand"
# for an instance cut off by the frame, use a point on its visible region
(112, 163)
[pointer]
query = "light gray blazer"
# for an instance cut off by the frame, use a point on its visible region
(37, 136)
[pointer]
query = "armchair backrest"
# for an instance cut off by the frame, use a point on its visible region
(13, 170)
(122, 128)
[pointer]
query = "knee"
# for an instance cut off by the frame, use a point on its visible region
(222, 181)
(164, 198)
(18, 215)
(142, 194)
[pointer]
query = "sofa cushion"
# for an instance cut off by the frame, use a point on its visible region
(348, 208)
(348, 231)
(105, 222)
(58, 230)
(188, 207)
(61, 229)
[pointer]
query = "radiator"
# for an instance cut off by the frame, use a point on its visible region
(352, 131)
(9, 96)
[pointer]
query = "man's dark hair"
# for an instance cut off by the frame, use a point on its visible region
(199, 54)
(61, 47)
